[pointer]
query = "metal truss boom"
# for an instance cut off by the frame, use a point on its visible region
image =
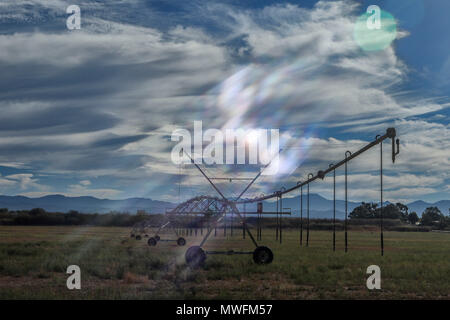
(390, 133)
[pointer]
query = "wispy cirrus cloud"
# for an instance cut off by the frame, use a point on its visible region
(102, 101)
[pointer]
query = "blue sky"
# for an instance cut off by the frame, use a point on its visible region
(90, 111)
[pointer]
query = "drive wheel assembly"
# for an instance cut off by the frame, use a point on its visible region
(151, 242)
(262, 255)
(181, 241)
(195, 257)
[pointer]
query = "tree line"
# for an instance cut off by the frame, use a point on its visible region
(366, 212)
(431, 216)
(39, 216)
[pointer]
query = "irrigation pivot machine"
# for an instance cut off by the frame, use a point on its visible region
(144, 228)
(214, 210)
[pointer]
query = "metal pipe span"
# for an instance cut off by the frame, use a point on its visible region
(390, 134)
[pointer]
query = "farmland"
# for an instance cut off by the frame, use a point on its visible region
(34, 259)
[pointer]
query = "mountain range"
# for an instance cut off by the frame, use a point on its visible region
(60, 203)
(320, 207)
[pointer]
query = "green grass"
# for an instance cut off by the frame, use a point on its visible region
(33, 261)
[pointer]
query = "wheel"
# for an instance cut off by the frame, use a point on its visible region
(132, 235)
(262, 255)
(157, 238)
(181, 241)
(138, 237)
(195, 257)
(151, 242)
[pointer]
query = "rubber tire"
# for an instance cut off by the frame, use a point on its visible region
(152, 242)
(181, 241)
(138, 237)
(195, 257)
(157, 238)
(262, 255)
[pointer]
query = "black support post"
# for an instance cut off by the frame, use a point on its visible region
(334, 210)
(276, 219)
(281, 216)
(244, 222)
(381, 199)
(301, 216)
(346, 202)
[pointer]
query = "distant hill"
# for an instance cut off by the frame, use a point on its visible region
(60, 203)
(320, 207)
(419, 206)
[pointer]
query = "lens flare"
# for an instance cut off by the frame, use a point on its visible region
(375, 39)
(272, 95)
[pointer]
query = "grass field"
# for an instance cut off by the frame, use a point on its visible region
(33, 262)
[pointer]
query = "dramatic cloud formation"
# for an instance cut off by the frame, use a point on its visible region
(90, 111)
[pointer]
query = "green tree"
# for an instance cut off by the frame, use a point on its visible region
(391, 211)
(371, 210)
(36, 212)
(403, 209)
(364, 211)
(432, 216)
(413, 217)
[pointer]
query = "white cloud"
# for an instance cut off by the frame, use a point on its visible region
(16, 165)
(82, 190)
(85, 182)
(25, 180)
(306, 71)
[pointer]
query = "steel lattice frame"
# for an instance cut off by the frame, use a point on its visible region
(218, 207)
